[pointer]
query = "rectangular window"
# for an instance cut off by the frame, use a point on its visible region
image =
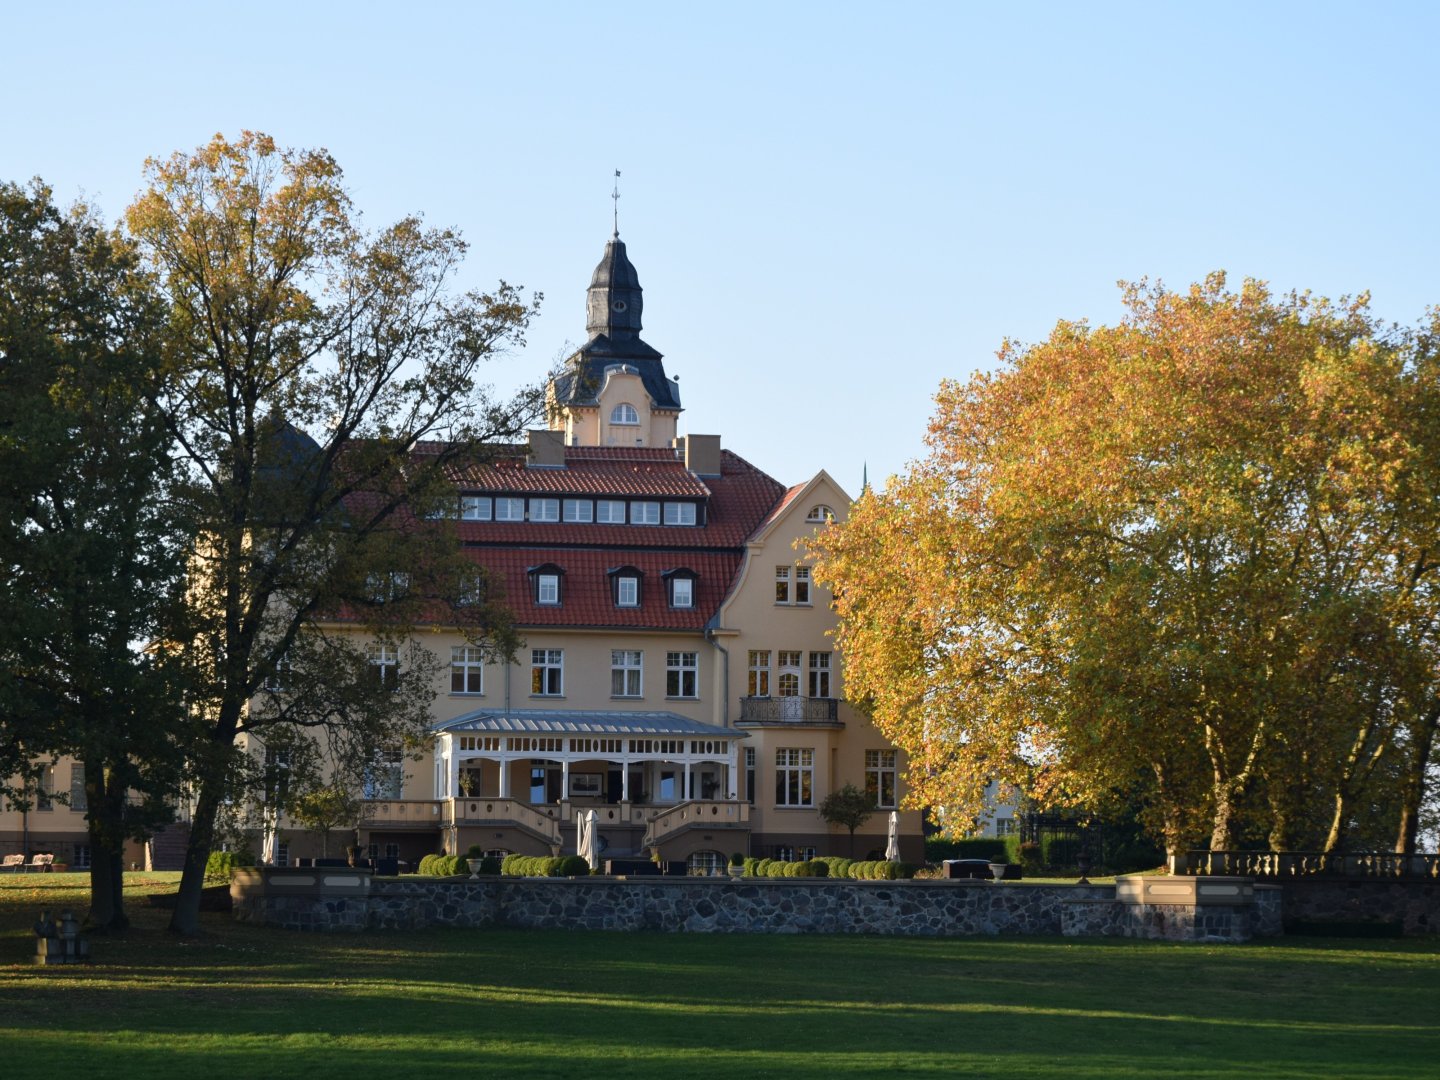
(759, 685)
(1004, 826)
(782, 584)
(682, 674)
(547, 672)
(278, 679)
(579, 511)
(881, 778)
(750, 775)
(382, 588)
(386, 665)
(45, 789)
(820, 674)
(627, 592)
(802, 585)
(644, 513)
(547, 588)
(544, 509)
(282, 853)
(794, 776)
(625, 672)
(475, 507)
(682, 592)
(679, 513)
(384, 776)
(81, 859)
(610, 511)
(467, 670)
(77, 788)
(507, 509)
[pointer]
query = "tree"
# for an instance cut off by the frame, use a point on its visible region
(1193, 552)
(322, 391)
(87, 542)
(847, 806)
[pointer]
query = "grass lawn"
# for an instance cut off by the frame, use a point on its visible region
(507, 1003)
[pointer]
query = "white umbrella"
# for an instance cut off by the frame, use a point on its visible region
(892, 843)
(589, 838)
(269, 837)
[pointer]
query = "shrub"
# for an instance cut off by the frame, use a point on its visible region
(474, 851)
(750, 865)
(489, 865)
(819, 868)
(762, 868)
(574, 866)
(509, 863)
(1029, 853)
(974, 847)
(220, 866)
(736, 859)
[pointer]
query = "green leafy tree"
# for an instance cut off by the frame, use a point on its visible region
(88, 545)
(847, 806)
(323, 391)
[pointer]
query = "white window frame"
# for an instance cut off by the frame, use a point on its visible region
(545, 509)
(782, 585)
(759, 684)
(386, 662)
(508, 508)
(820, 514)
(680, 513)
(626, 414)
(644, 512)
(787, 674)
(384, 776)
(627, 673)
(882, 773)
(627, 591)
(802, 585)
(467, 670)
(794, 776)
(610, 511)
(475, 508)
(547, 672)
(820, 674)
(682, 592)
(682, 675)
(579, 511)
(547, 589)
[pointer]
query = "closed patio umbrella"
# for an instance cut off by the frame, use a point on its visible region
(589, 838)
(892, 844)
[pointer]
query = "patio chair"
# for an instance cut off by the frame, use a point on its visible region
(12, 863)
(39, 862)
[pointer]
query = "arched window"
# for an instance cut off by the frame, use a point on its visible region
(624, 413)
(821, 513)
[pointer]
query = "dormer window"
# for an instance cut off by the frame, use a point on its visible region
(624, 413)
(625, 586)
(679, 513)
(545, 584)
(680, 585)
(383, 588)
(821, 514)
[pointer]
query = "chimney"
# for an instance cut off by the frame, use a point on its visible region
(547, 450)
(702, 454)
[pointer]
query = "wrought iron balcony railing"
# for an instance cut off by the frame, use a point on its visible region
(795, 710)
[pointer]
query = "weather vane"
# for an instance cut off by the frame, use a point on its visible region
(615, 195)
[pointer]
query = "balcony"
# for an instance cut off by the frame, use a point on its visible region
(789, 710)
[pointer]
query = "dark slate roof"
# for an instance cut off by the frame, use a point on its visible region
(579, 384)
(582, 722)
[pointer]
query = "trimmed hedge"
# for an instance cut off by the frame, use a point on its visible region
(544, 866)
(975, 847)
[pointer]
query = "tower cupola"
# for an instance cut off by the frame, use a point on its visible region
(614, 299)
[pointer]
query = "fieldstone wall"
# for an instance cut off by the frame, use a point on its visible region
(1413, 904)
(770, 906)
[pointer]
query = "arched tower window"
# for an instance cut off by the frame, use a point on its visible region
(624, 413)
(820, 513)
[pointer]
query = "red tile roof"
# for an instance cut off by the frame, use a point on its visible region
(586, 599)
(596, 471)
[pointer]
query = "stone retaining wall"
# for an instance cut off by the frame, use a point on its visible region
(1411, 904)
(285, 899)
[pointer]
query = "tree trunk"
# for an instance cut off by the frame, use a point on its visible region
(1413, 785)
(1335, 838)
(105, 817)
(1222, 828)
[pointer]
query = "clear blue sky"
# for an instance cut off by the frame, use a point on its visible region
(832, 206)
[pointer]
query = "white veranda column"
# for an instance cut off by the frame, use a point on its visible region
(504, 776)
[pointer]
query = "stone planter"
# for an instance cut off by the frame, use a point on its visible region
(736, 870)
(997, 870)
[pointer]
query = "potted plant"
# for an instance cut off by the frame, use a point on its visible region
(737, 864)
(999, 864)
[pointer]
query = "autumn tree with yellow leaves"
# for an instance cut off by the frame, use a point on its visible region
(1197, 552)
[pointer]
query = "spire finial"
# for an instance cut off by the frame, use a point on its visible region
(615, 195)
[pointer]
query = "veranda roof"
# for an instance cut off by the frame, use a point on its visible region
(582, 722)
